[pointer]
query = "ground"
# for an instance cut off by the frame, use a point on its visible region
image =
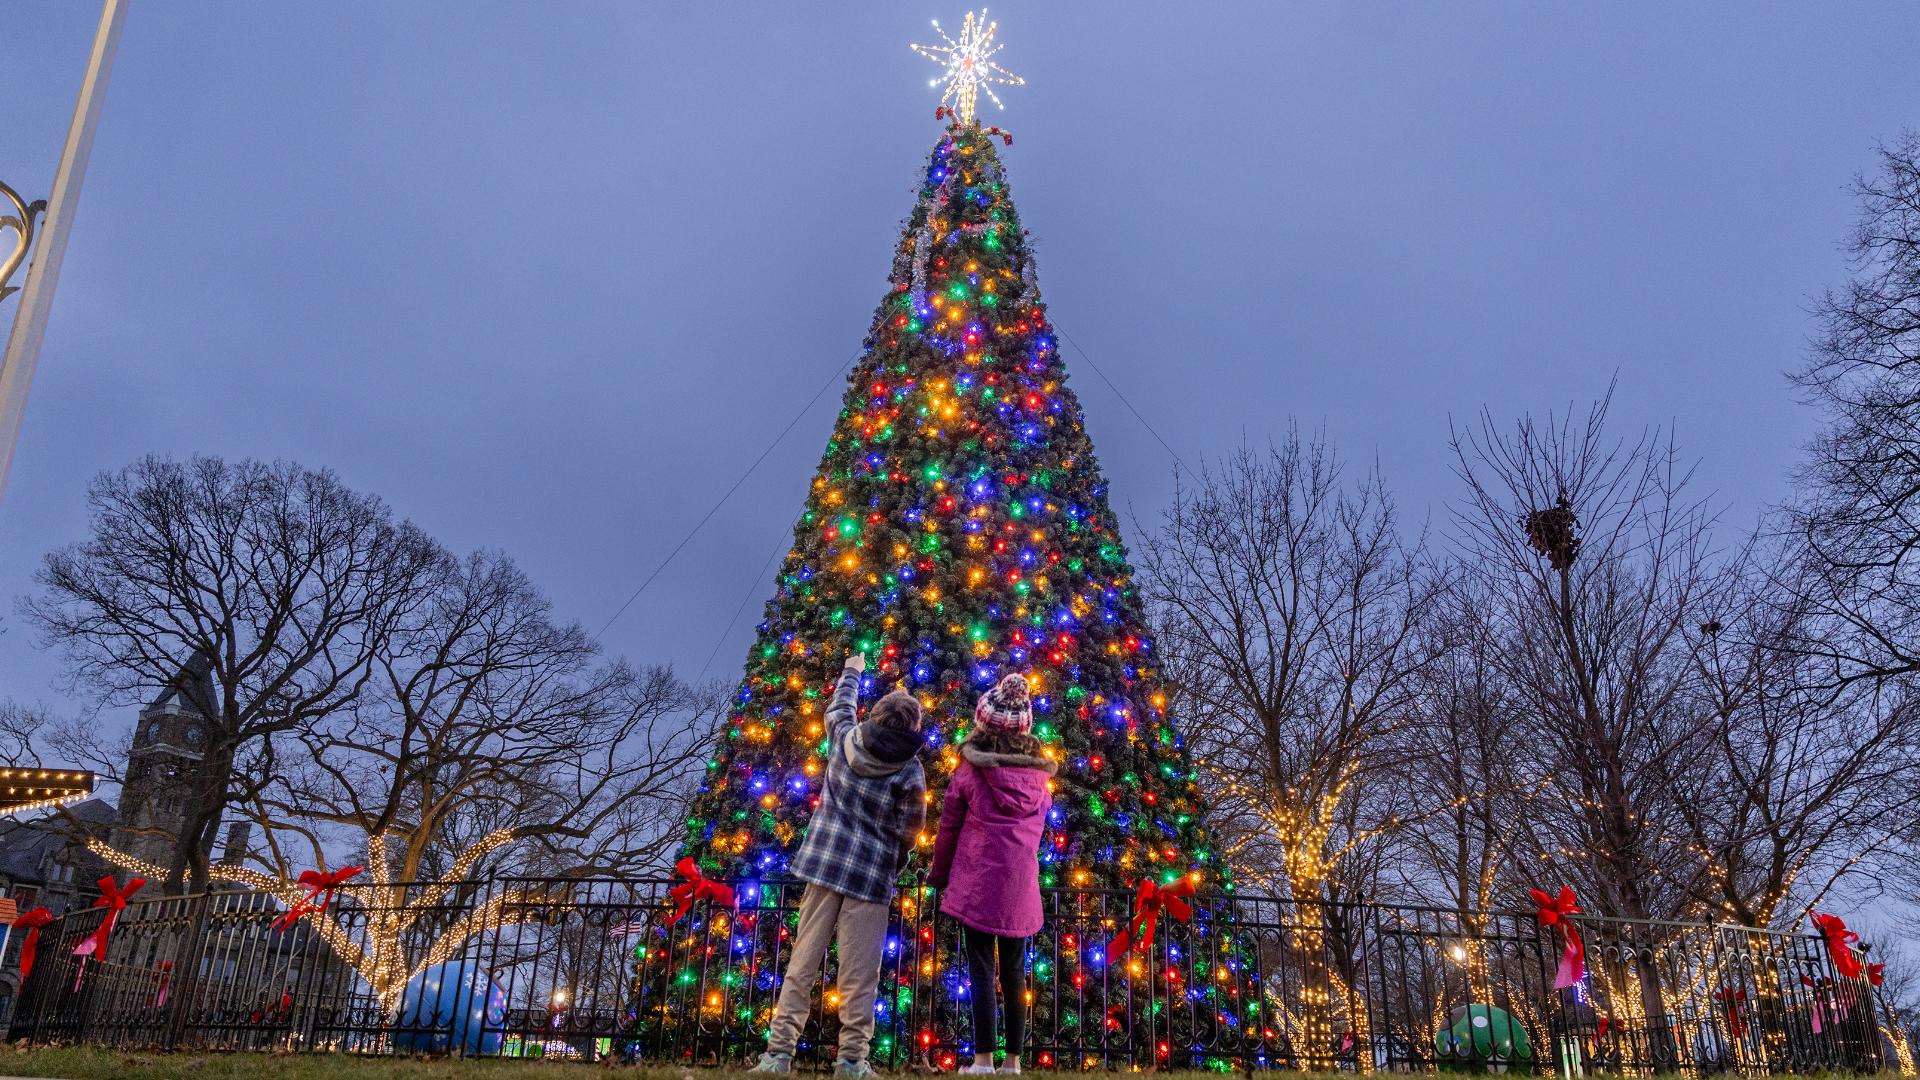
(88, 1063)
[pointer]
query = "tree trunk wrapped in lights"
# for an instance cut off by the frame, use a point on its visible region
(394, 912)
(957, 529)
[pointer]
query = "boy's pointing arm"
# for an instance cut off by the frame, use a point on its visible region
(846, 695)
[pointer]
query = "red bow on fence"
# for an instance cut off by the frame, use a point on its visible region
(1734, 1003)
(1147, 905)
(697, 886)
(1553, 912)
(320, 887)
(1839, 945)
(114, 899)
(31, 921)
(1875, 973)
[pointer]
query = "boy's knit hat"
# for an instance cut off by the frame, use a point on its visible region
(1005, 707)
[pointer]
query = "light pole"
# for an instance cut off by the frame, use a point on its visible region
(36, 297)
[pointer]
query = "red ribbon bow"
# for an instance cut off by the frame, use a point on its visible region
(1839, 945)
(321, 887)
(1150, 900)
(114, 899)
(1553, 912)
(1875, 973)
(697, 886)
(1734, 1003)
(31, 921)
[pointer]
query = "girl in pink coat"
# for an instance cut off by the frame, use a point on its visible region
(986, 859)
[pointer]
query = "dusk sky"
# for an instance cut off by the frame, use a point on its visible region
(549, 277)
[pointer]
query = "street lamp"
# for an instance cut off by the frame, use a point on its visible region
(21, 221)
(36, 296)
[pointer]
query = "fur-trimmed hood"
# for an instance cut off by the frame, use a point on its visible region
(987, 759)
(1010, 779)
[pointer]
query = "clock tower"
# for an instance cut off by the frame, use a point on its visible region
(167, 769)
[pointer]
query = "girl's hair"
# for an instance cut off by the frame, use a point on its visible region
(1005, 741)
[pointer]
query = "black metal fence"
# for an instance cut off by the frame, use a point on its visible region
(591, 970)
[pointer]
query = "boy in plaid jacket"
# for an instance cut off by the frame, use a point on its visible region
(872, 807)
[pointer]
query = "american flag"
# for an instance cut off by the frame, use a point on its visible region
(9, 911)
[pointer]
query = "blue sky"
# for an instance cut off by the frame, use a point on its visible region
(548, 277)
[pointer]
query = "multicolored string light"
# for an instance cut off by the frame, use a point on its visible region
(958, 528)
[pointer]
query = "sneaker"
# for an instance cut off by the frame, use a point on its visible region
(771, 1062)
(858, 1070)
(978, 1070)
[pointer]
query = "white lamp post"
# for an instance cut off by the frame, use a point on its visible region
(36, 297)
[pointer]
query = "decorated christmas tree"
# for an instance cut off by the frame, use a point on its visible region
(957, 529)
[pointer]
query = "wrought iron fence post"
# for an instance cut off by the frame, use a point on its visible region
(186, 972)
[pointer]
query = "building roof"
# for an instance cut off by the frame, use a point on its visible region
(25, 845)
(191, 689)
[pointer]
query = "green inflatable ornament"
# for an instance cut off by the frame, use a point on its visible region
(1481, 1037)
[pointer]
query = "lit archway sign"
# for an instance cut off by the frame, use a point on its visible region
(27, 789)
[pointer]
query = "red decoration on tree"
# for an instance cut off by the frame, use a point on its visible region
(697, 886)
(1839, 945)
(1554, 911)
(114, 899)
(1733, 1002)
(320, 886)
(30, 921)
(1147, 905)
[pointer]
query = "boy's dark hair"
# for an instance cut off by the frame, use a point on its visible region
(1005, 741)
(898, 710)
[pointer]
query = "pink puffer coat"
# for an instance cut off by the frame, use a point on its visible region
(986, 856)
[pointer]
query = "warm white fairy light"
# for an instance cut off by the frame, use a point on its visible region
(969, 64)
(390, 924)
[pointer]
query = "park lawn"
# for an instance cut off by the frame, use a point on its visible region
(93, 1063)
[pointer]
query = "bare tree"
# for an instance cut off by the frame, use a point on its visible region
(1593, 564)
(486, 722)
(1857, 505)
(1289, 614)
(1857, 510)
(285, 581)
(1792, 791)
(486, 737)
(21, 728)
(1464, 753)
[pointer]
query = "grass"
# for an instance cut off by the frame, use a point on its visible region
(94, 1063)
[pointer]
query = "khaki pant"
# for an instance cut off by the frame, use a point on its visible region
(862, 934)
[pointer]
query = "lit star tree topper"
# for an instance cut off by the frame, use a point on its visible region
(969, 64)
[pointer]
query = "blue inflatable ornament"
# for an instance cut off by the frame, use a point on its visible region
(450, 1006)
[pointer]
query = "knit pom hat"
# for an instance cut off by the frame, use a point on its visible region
(1005, 706)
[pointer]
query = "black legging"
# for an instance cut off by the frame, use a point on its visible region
(1013, 987)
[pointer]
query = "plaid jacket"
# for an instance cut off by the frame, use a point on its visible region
(864, 825)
